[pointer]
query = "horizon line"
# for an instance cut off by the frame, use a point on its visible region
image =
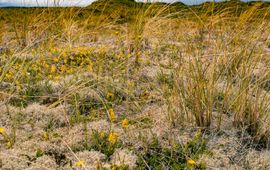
(17, 5)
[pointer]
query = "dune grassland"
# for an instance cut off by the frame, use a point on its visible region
(124, 85)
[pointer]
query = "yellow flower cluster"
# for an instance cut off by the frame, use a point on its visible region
(50, 64)
(191, 162)
(113, 137)
(125, 123)
(79, 163)
(102, 135)
(2, 130)
(110, 96)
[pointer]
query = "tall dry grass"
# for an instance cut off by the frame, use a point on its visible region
(218, 62)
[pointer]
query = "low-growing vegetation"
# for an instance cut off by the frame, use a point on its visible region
(130, 85)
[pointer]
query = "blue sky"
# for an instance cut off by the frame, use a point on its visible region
(74, 2)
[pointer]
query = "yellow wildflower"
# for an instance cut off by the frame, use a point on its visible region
(102, 135)
(2, 130)
(112, 115)
(64, 54)
(79, 163)
(124, 123)
(46, 65)
(50, 77)
(191, 162)
(35, 67)
(129, 55)
(46, 136)
(9, 144)
(63, 68)
(113, 138)
(54, 50)
(9, 76)
(72, 63)
(55, 59)
(118, 56)
(39, 75)
(70, 71)
(90, 67)
(56, 78)
(110, 96)
(53, 69)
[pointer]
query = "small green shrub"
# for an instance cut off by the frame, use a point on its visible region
(175, 157)
(100, 141)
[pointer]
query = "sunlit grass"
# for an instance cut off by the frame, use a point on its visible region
(109, 61)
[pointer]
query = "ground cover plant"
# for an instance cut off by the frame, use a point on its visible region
(127, 85)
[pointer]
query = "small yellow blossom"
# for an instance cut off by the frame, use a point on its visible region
(56, 78)
(9, 144)
(64, 55)
(72, 63)
(54, 50)
(118, 56)
(9, 76)
(46, 65)
(90, 67)
(191, 162)
(70, 71)
(46, 136)
(63, 68)
(2, 130)
(53, 69)
(129, 55)
(55, 59)
(39, 75)
(113, 138)
(112, 115)
(124, 123)
(50, 77)
(110, 96)
(79, 163)
(102, 135)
